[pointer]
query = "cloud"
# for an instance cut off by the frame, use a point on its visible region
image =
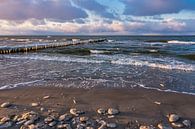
(94, 6)
(156, 7)
(39, 9)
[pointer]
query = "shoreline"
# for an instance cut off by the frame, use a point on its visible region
(147, 107)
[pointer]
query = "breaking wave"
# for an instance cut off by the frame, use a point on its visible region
(180, 42)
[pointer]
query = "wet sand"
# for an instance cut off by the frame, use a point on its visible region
(147, 107)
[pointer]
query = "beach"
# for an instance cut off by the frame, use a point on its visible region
(136, 106)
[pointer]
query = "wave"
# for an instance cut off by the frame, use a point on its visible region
(99, 52)
(161, 63)
(10, 86)
(166, 63)
(180, 42)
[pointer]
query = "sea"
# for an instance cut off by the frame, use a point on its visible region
(164, 63)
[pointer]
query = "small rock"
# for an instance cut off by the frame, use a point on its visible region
(6, 105)
(75, 112)
(42, 109)
(64, 126)
(32, 127)
(111, 125)
(90, 128)
(4, 120)
(83, 119)
(65, 117)
(173, 117)
(101, 111)
(52, 123)
(46, 97)
(48, 119)
(34, 104)
(6, 125)
(29, 122)
(177, 125)
(157, 102)
(113, 111)
(103, 124)
(187, 123)
(20, 122)
(163, 126)
(111, 116)
(146, 127)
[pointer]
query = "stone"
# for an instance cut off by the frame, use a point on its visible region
(46, 97)
(6, 105)
(177, 125)
(24, 127)
(4, 120)
(29, 122)
(103, 124)
(101, 111)
(48, 119)
(173, 118)
(111, 125)
(75, 112)
(90, 128)
(113, 111)
(163, 126)
(64, 126)
(83, 119)
(146, 127)
(20, 122)
(42, 109)
(34, 104)
(65, 117)
(187, 123)
(52, 123)
(111, 116)
(32, 127)
(6, 125)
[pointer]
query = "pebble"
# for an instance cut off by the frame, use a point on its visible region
(111, 125)
(65, 117)
(48, 119)
(52, 123)
(187, 123)
(6, 125)
(146, 127)
(64, 126)
(173, 118)
(6, 105)
(177, 125)
(29, 122)
(101, 111)
(32, 127)
(113, 111)
(46, 97)
(103, 124)
(4, 120)
(34, 104)
(163, 126)
(75, 112)
(83, 119)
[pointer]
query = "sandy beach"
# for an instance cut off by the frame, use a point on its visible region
(136, 106)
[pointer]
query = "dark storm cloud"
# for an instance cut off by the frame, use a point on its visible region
(39, 9)
(156, 7)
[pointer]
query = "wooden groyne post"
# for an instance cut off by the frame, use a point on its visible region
(34, 47)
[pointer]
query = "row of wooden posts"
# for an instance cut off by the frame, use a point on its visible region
(35, 47)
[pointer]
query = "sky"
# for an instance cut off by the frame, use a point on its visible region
(97, 17)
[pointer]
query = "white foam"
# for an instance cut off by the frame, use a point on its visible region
(10, 86)
(98, 51)
(180, 42)
(57, 58)
(167, 90)
(165, 63)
